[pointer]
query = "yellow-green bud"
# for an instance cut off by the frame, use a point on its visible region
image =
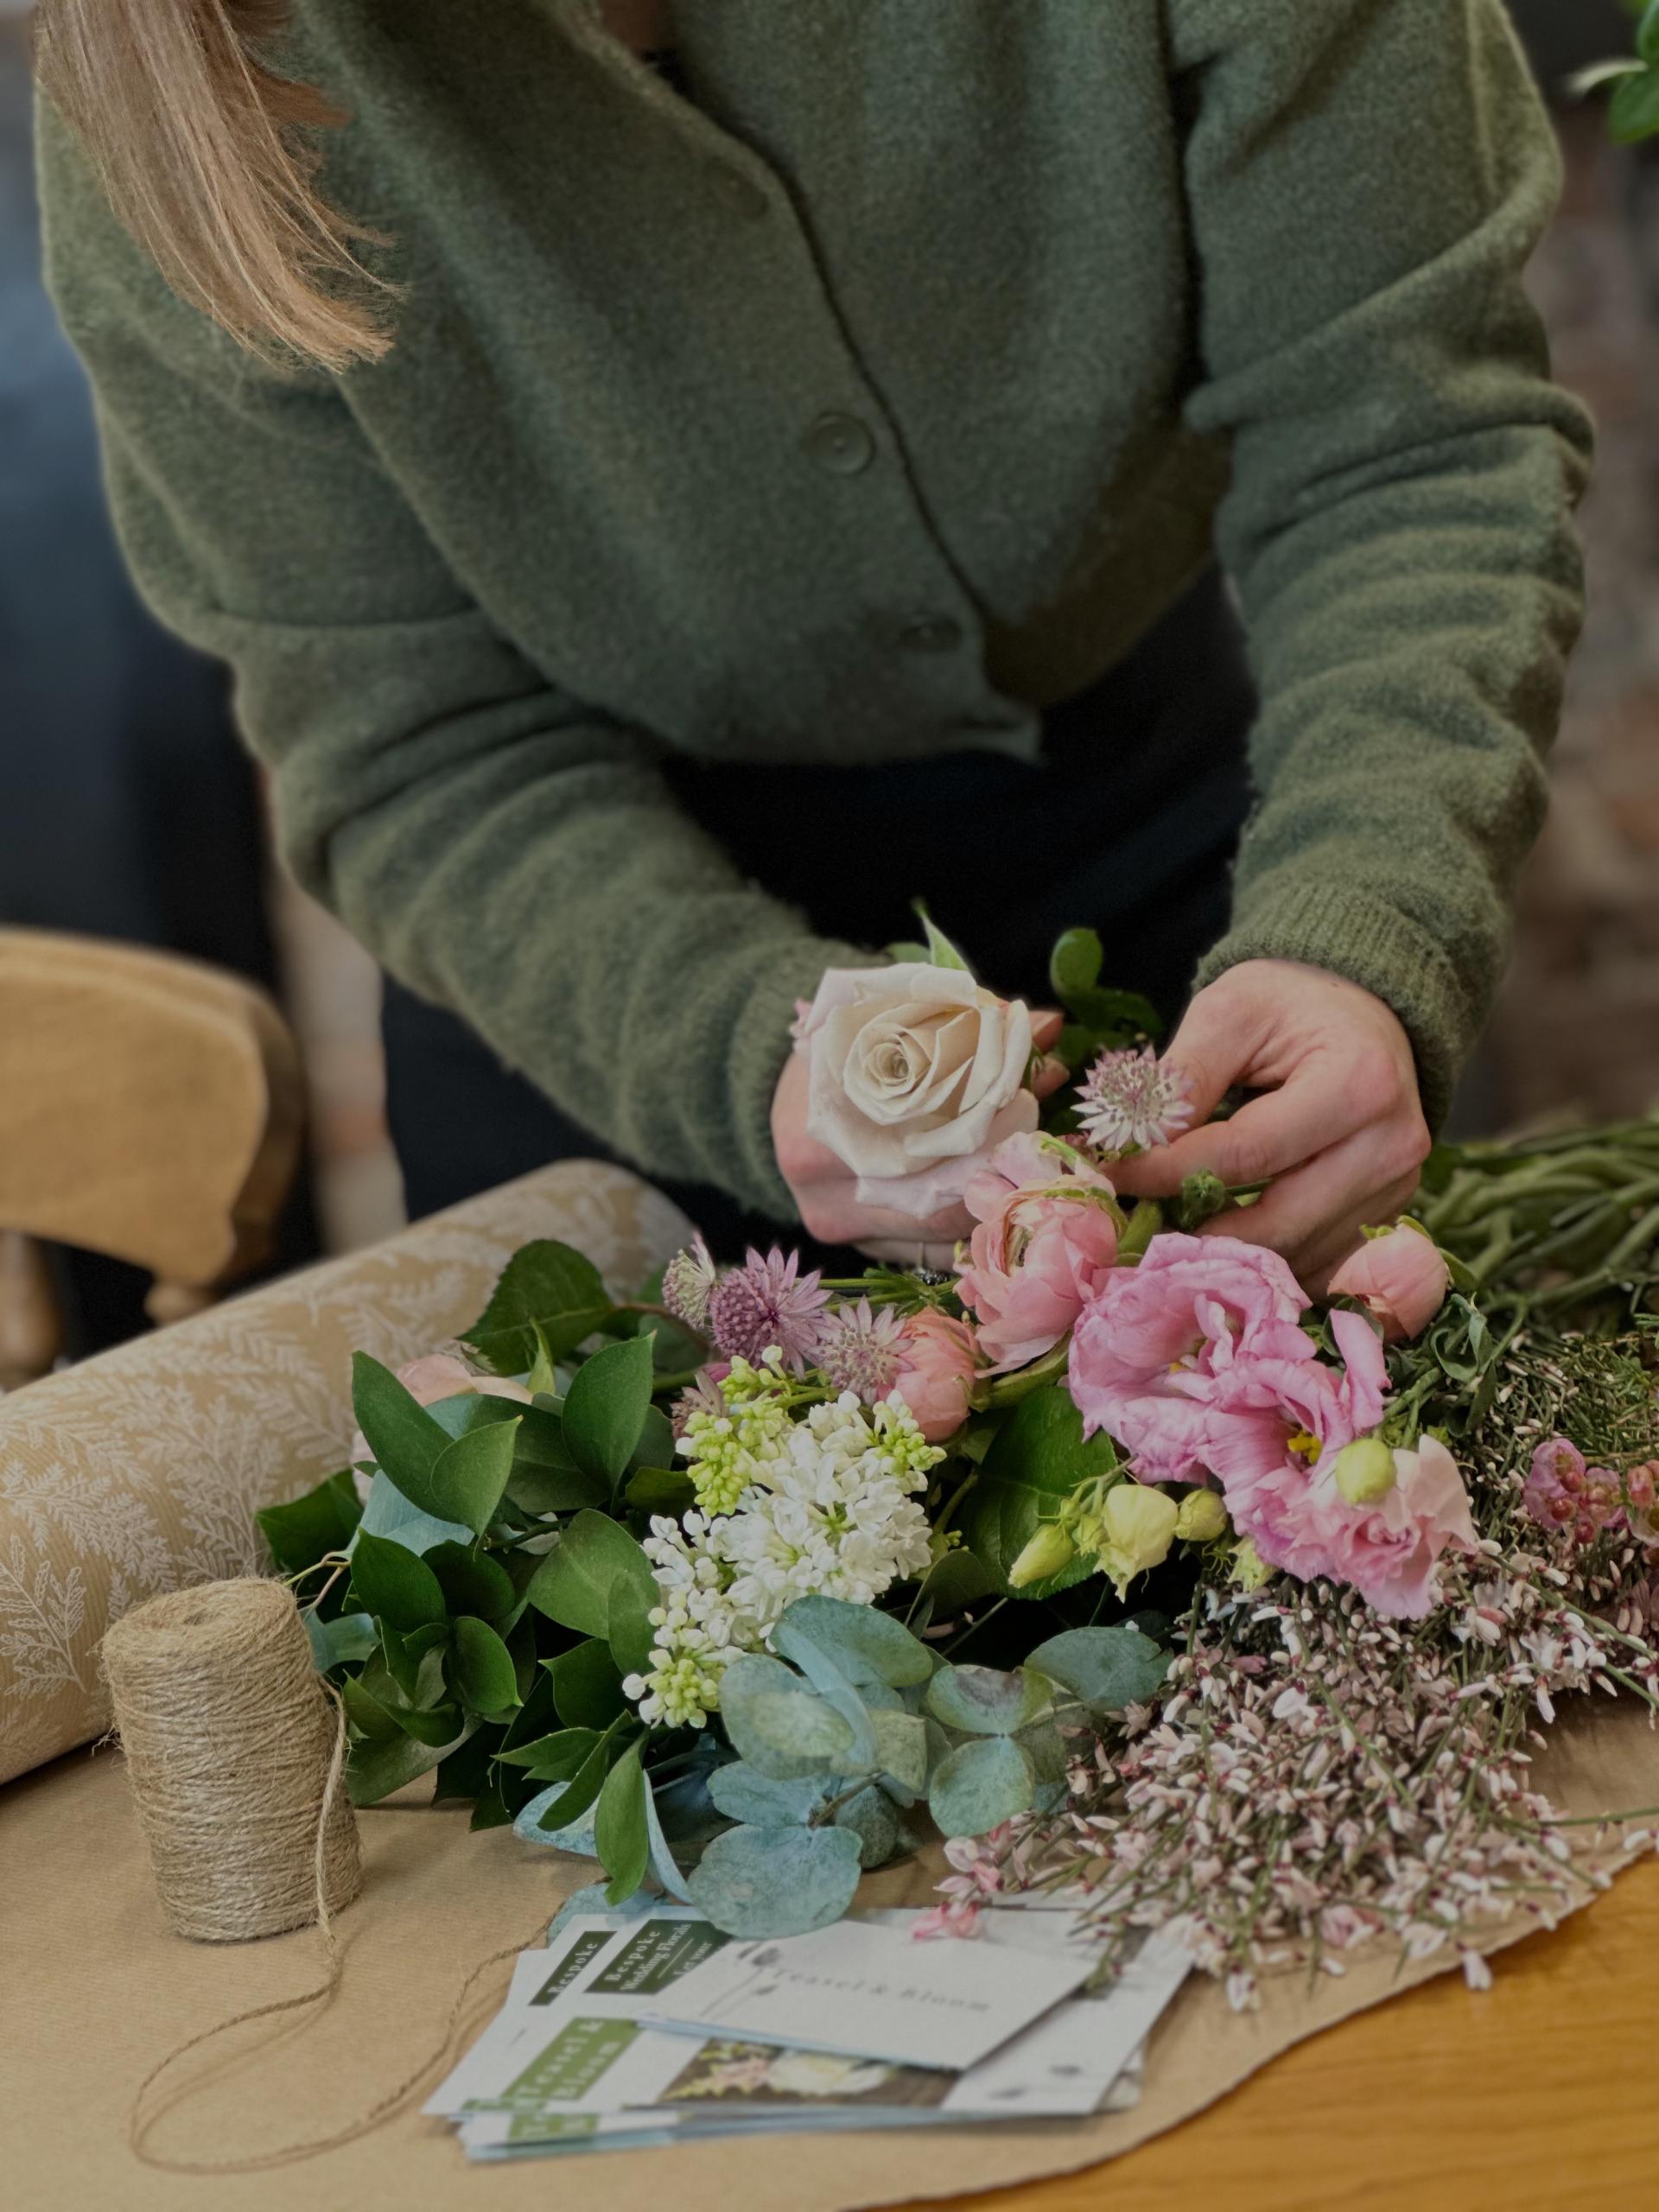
(1138, 1525)
(1049, 1551)
(1202, 1518)
(1365, 1471)
(1250, 1570)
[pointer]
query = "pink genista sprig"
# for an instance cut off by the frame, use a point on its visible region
(1132, 1100)
(768, 1302)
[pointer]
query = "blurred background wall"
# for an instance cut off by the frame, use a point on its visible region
(127, 809)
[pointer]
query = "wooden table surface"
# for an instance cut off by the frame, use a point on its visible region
(1539, 2095)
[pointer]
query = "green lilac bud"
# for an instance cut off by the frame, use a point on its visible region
(1365, 1471)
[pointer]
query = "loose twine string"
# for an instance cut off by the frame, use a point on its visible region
(237, 1773)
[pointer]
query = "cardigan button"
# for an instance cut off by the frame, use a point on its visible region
(740, 193)
(840, 443)
(931, 633)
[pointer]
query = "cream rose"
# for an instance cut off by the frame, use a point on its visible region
(916, 1075)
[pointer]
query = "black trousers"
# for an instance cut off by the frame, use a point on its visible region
(1128, 824)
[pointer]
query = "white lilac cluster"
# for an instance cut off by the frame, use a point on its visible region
(829, 1503)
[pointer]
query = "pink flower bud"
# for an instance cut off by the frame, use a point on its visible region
(1401, 1279)
(939, 1372)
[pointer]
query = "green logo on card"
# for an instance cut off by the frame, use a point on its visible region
(658, 1956)
(578, 2056)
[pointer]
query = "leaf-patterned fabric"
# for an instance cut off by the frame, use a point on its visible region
(142, 1470)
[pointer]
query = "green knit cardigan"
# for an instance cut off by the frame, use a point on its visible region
(884, 391)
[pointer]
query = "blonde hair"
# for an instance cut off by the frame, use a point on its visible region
(210, 159)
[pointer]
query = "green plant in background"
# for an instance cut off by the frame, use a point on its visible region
(1633, 110)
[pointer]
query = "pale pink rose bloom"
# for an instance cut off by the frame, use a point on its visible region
(1045, 1244)
(1388, 1550)
(438, 1375)
(940, 1364)
(1401, 1279)
(1151, 1338)
(915, 1074)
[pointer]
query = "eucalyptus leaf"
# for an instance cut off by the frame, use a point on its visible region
(831, 1685)
(859, 1640)
(389, 1513)
(574, 1583)
(900, 1750)
(307, 1528)
(1038, 1459)
(1105, 1667)
(985, 1701)
(755, 1882)
(547, 1300)
(981, 1785)
(605, 1407)
(621, 1832)
(481, 1668)
(471, 1582)
(341, 1642)
(743, 1793)
(871, 1818)
(663, 1863)
(394, 1584)
(586, 1686)
(779, 1726)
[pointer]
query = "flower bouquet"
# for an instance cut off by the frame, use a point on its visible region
(742, 1582)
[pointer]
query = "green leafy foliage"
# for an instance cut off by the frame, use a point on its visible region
(574, 1584)
(1105, 1669)
(980, 1784)
(307, 1528)
(1039, 1458)
(550, 1298)
(482, 1668)
(586, 1686)
(605, 1408)
(985, 1701)
(405, 1440)
(471, 1581)
(621, 1834)
(395, 1585)
(469, 1478)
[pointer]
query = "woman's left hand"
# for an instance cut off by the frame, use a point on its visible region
(1338, 1128)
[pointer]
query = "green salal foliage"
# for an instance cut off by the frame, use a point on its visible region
(479, 1615)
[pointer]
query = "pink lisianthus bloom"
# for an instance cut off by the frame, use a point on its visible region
(940, 1364)
(1153, 1338)
(435, 1375)
(1045, 1244)
(1276, 1423)
(1389, 1548)
(1401, 1280)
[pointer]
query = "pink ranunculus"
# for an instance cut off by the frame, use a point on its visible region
(1401, 1279)
(1389, 1549)
(1152, 1340)
(1046, 1243)
(940, 1363)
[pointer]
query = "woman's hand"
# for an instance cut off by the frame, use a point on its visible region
(1339, 1129)
(825, 1188)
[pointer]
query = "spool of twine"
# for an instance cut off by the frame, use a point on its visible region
(233, 1749)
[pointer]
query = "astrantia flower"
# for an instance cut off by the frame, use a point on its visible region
(1131, 1102)
(700, 1396)
(768, 1302)
(689, 1283)
(861, 1349)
